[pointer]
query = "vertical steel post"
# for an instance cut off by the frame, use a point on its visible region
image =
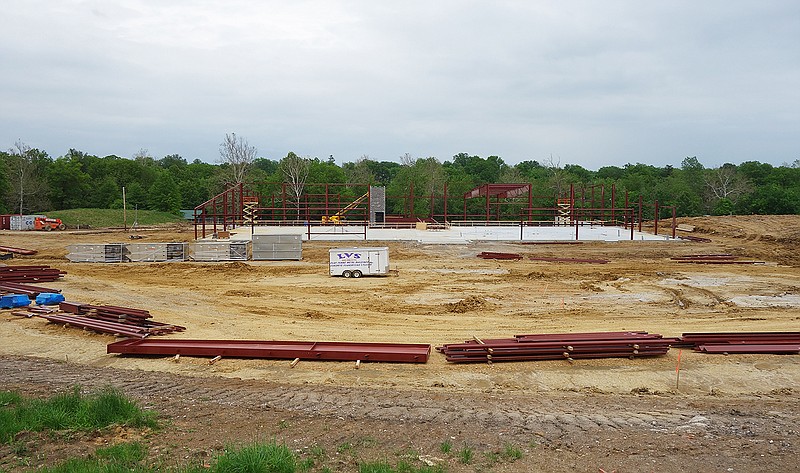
(640, 212)
(445, 203)
(629, 215)
(602, 201)
(530, 200)
(613, 196)
(655, 218)
(673, 222)
(411, 199)
(488, 202)
(572, 201)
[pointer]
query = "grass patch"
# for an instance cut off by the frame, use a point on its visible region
(8, 398)
(104, 218)
(511, 452)
(401, 467)
(124, 457)
(466, 455)
(263, 458)
(70, 411)
(446, 446)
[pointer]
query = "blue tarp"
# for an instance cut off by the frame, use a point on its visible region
(49, 298)
(9, 301)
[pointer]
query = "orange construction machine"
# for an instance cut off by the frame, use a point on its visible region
(48, 224)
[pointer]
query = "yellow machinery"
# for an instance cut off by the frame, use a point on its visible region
(338, 217)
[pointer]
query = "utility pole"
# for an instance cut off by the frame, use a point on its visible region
(124, 211)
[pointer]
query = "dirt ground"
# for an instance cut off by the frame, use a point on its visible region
(728, 413)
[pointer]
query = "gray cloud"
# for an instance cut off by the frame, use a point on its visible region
(595, 83)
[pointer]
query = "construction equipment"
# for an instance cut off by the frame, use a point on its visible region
(338, 217)
(48, 224)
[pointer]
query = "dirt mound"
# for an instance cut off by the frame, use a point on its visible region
(469, 304)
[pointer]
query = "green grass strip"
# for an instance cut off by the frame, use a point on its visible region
(69, 411)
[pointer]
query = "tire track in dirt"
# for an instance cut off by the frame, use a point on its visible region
(546, 414)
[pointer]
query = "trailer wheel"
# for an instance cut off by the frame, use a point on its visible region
(347, 274)
(62, 227)
(48, 228)
(356, 274)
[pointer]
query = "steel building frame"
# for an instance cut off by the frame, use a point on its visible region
(273, 204)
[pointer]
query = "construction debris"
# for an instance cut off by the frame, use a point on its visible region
(694, 239)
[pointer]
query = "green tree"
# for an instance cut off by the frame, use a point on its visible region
(164, 195)
(69, 185)
(27, 186)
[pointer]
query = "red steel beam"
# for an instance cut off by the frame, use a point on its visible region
(776, 349)
(338, 351)
(586, 336)
(97, 325)
(26, 287)
(569, 260)
(19, 251)
(718, 261)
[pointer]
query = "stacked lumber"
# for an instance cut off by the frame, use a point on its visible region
(558, 346)
(29, 274)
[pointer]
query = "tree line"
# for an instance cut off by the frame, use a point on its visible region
(33, 182)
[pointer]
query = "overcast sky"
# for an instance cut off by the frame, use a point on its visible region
(593, 83)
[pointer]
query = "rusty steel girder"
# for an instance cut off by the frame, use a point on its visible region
(336, 351)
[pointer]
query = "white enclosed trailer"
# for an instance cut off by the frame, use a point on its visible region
(357, 262)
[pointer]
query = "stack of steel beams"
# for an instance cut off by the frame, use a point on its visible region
(569, 260)
(329, 351)
(713, 259)
(29, 274)
(136, 318)
(503, 256)
(557, 346)
(743, 342)
(27, 289)
(101, 326)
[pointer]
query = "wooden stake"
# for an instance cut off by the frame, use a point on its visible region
(488, 350)
(294, 362)
(678, 370)
(358, 364)
(215, 359)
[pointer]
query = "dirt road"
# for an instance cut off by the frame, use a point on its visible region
(730, 413)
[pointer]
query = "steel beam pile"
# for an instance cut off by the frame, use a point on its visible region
(330, 351)
(558, 346)
(713, 259)
(137, 318)
(778, 343)
(27, 289)
(502, 256)
(19, 251)
(100, 326)
(29, 274)
(569, 260)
